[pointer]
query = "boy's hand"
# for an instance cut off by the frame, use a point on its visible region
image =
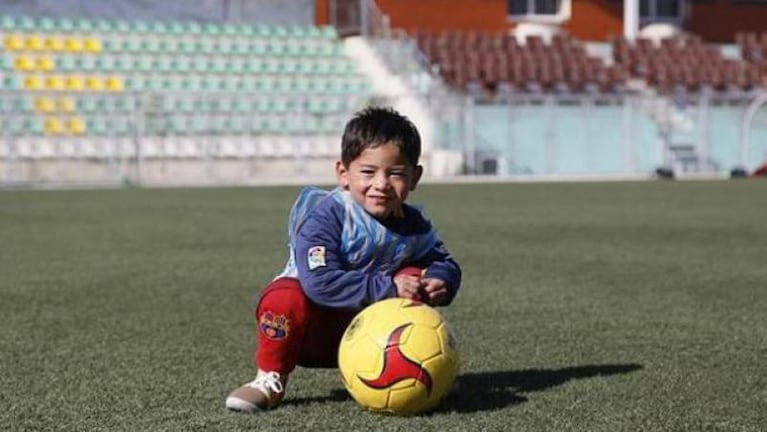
(408, 286)
(434, 291)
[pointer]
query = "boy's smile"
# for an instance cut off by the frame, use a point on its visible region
(379, 180)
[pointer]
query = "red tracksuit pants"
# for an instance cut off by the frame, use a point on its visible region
(294, 331)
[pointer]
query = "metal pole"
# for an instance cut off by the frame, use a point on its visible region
(588, 114)
(549, 135)
(745, 128)
(364, 18)
(469, 132)
(705, 129)
(512, 155)
(630, 19)
(629, 147)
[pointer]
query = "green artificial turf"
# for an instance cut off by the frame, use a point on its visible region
(584, 307)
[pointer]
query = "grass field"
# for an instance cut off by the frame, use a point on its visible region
(585, 307)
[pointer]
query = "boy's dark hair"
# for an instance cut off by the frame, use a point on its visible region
(375, 126)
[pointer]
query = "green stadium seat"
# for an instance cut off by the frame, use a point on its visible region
(272, 66)
(193, 28)
(135, 83)
(83, 26)
(125, 104)
(246, 30)
(186, 47)
(150, 45)
(123, 27)
(167, 45)
(85, 64)
(164, 64)
(97, 126)
(235, 65)
(216, 65)
(131, 45)
(110, 45)
(179, 125)
(279, 32)
(298, 31)
(158, 27)
(46, 24)
(181, 64)
(63, 25)
(139, 27)
(7, 24)
(32, 126)
(26, 24)
(87, 104)
(248, 83)
(105, 64)
(12, 82)
(289, 66)
(239, 47)
(230, 30)
(328, 32)
(23, 104)
(143, 64)
(186, 105)
(103, 26)
(263, 31)
(211, 29)
(240, 105)
(122, 64)
(6, 62)
(205, 46)
(176, 28)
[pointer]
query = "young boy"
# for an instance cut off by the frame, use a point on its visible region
(349, 247)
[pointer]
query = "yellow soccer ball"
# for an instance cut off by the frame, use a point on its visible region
(398, 356)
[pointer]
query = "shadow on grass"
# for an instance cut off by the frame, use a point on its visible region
(486, 391)
(336, 395)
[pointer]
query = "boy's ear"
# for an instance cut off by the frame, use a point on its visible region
(417, 173)
(342, 175)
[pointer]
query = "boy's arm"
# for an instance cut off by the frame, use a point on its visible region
(439, 264)
(321, 272)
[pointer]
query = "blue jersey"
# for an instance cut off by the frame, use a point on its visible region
(345, 258)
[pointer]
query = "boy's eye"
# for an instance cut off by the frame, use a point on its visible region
(397, 173)
(367, 172)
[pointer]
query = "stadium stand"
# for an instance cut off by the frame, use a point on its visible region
(753, 49)
(113, 78)
(495, 62)
(685, 63)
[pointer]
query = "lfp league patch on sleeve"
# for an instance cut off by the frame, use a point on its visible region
(316, 257)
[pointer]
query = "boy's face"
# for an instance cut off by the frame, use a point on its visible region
(379, 180)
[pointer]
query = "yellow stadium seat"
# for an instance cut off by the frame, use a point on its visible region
(13, 42)
(114, 83)
(53, 126)
(45, 105)
(94, 82)
(35, 43)
(74, 83)
(34, 82)
(92, 45)
(54, 44)
(24, 63)
(55, 82)
(73, 44)
(66, 105)
(76, 126)
(45, 63)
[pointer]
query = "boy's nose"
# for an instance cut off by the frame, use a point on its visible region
(380, 181)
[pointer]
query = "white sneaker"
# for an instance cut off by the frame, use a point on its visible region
(264, 392)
